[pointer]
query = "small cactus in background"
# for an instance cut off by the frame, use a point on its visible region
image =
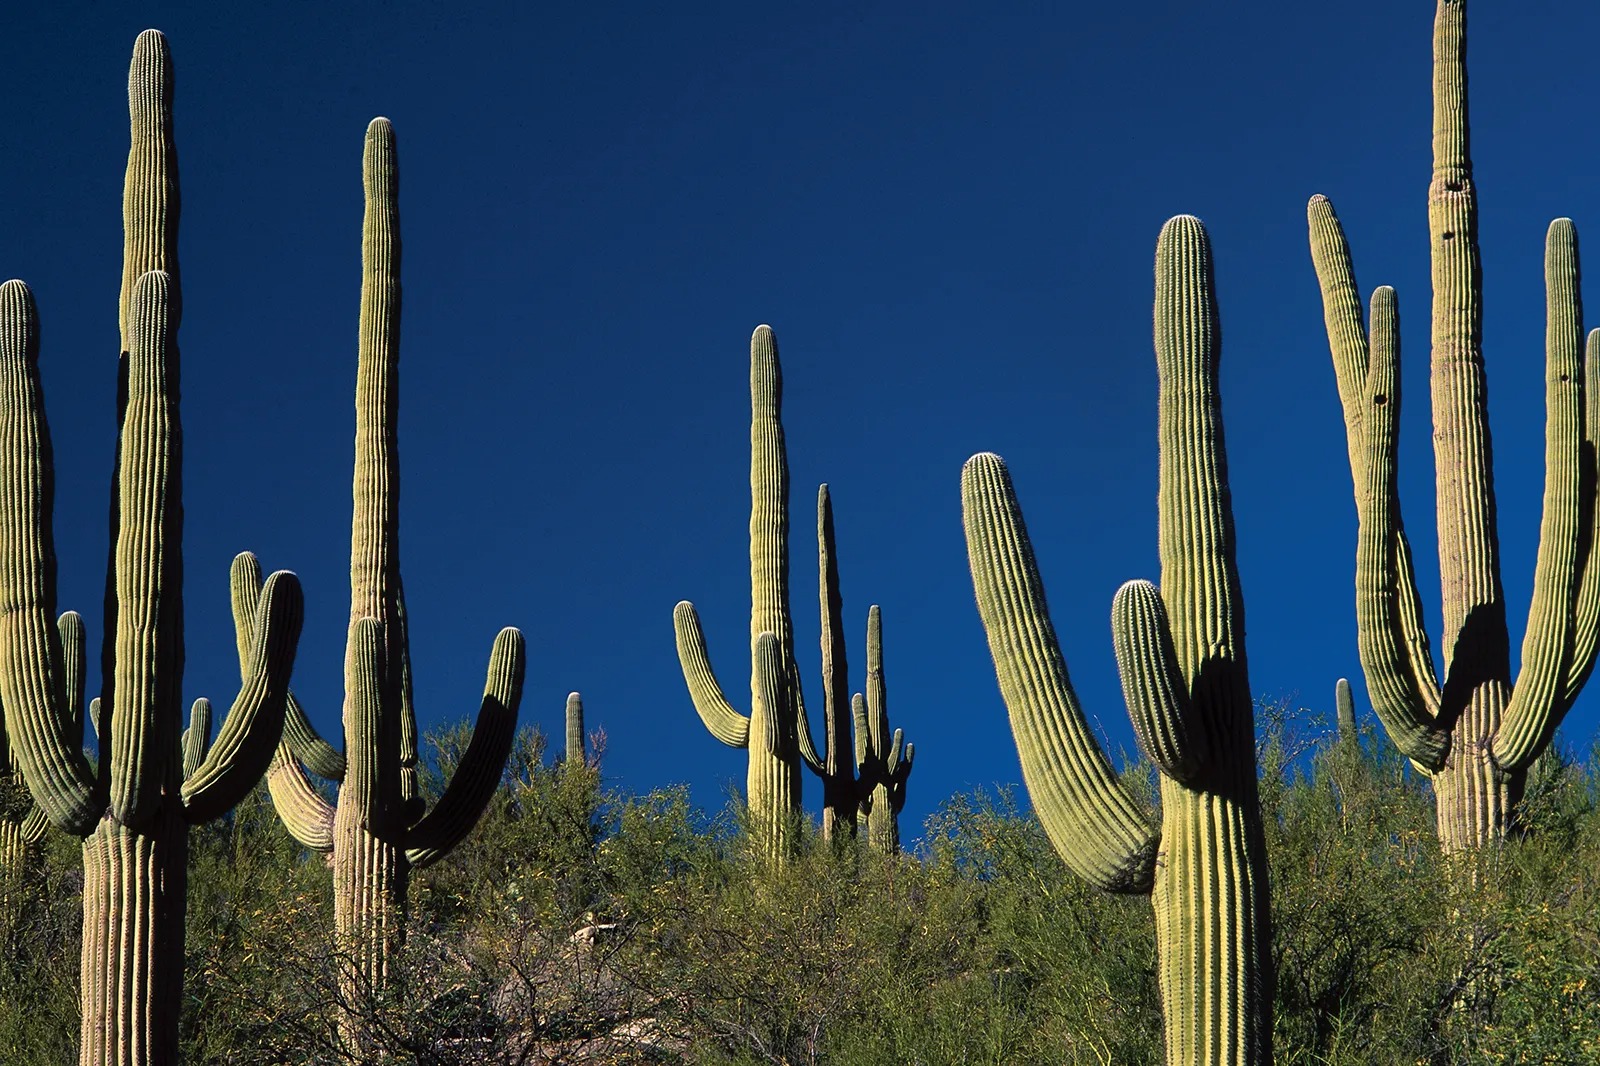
(866, 777)
(575, 735)
(135, 810)
(1345, 712)
(377, 830)
(769, 731)
(1180, 652)
(1476, 734)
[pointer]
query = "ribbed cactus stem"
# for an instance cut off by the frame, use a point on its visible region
(778, 806)
(1477, 733)
(378, 830)
(840, 793)
(575, 735)
(1344, 711)
(773, 781)
(1181, 655)
(884, 758)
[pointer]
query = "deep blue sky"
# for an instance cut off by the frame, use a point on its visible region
(948, 215)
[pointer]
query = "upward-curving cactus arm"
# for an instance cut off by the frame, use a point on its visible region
(1586, 620)
(721, 720)
(251, 731)
(1538, 699)
(478, 774)
(32, 669)
(196, 737)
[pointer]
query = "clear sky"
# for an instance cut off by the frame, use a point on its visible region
(948, 214)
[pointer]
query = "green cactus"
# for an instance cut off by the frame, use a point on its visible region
(377, 830)
(1345, 712)
(575, 735)
(135, 813)
(22, 821)
(1180, 652)
(1477, 733)
(769, 732)
(866, 777)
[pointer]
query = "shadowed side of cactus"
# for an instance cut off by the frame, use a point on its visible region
(883, 759)
(771, 734)
(22, 821)
(378, 830)
(1181, 657)
(1477, 733)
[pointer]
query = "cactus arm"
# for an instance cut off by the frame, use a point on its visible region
(197, 737)
(1389, 679)
(150, 201)
(69, 627)
(723, 722)
(367, 789)
(863, 741)
(1090, 818)
(575, 735)
(149, 561)
(304, 813)
(399, 638)
(478, 775)
(1586, 621)
(31, 671)
(33, 827)
(772, 783)
(254, 725)
(1538, 698)
(1158, 701)
(244, 587)
(1348, 342)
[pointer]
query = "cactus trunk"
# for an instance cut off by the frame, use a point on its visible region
(134, 899)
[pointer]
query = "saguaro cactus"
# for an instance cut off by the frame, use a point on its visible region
(575, 735)
(133, 814)
(1477, 733)
(769, 732)
(1181, 655)
(377, 830)
(22, 821)
(866, 778)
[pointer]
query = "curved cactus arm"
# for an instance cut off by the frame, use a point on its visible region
(97, 717)
(69, 627)
(397, 636)
(901, 758)
(254, 725)
(197, 737)
(1538, 700)
(302, 810)
(301, 738)
(149, 561)
(575, 735)
(32, 673)
(724, 723)
(1158, 701)
(478, 774)
(34, 823)
(1390, 681)
(1586, 620)
(1094, 823)
(863, 741)
(1347, 339)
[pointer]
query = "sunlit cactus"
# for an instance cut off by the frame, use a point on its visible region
(575, 736)
(769, 731)
(883, 759)
(1477, 732)
(135, 810)
(1181, 655)
(22, 821)
(377, 829)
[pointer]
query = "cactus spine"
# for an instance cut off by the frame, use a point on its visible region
(377, 830)
(866, 777)
(1180, 652)
(769, 732)
(1477, 733)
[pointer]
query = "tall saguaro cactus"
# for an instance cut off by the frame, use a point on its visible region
(1476, 734)
(22, 821)
(377, 829)
(769, 732)
(134, 813)
(1180, 651)
(865, 777)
